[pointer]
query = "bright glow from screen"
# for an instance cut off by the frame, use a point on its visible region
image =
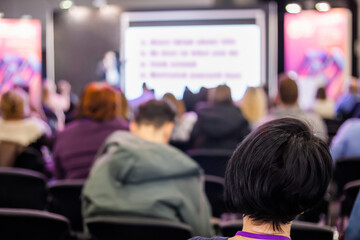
(66, 4)
(322, 6)
(169, 58)
(293, 8)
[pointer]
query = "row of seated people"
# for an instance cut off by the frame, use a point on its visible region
(82, 138)
(140, 175)
(218, 124)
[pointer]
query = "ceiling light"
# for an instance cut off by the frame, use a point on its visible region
(293, 8)
(99, 3)
(322, 6)
(66, 4)
(26, 16)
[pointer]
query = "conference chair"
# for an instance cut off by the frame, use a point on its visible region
(213, 161)
(299, 230)
(350, 192)
(136, 228)
(64, 199)
(21, 188)
(346, 170)
(25, 224)
(332, 126)
(214, 189)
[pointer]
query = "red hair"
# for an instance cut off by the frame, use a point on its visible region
(100, 102)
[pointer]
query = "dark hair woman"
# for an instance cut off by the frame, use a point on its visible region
(279, 171)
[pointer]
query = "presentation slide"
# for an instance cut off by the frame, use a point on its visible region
(170, 58)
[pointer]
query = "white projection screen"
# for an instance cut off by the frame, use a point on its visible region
(171, 50)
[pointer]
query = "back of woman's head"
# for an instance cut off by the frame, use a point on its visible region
(14, 104)
(222, 95)
(279, 171)
(254, 104)
(178, 105)
(100, 102)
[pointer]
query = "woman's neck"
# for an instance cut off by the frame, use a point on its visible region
(252, 226)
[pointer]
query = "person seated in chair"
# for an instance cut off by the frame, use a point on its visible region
(287, 106)
(76, 146)
(220, 123)
(279, 171)
(21, 136)
(139, 174)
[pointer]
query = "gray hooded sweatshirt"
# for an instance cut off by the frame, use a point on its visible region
(135, 177)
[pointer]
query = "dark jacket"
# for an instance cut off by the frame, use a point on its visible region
(219, 126)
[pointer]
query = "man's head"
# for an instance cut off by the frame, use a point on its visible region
(354, 86)
(288, 90)
(154, 121)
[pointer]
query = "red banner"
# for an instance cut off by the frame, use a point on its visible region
(20, 53)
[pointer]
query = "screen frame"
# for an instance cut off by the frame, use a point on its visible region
(257, 14)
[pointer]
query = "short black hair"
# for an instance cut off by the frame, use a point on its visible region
(155, 112)
(278, 171)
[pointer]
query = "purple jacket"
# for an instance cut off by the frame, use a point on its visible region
(75, 147)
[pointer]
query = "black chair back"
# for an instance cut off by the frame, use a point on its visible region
(332, 126)
(299, 230)
(114, 228)
(351, 190)
(65, 199)
(213, 161)
(22, 224)
(346, 170)
(21, 188)
(214, 189)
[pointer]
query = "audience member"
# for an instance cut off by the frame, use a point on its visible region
(324, 106)
(287, 106)
(21, 135)
(139, 174)
(345, 143)
(64, 89)
(76, 146)
(347, 102)
(147, 94)
(184, 121)
(279, 171)
(353, 229)
(55, 104)
(125, 111)
(220, 123)
(191, 100)
(254, 104)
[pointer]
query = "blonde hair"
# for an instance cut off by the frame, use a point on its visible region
(254, 104)
(14, 104)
